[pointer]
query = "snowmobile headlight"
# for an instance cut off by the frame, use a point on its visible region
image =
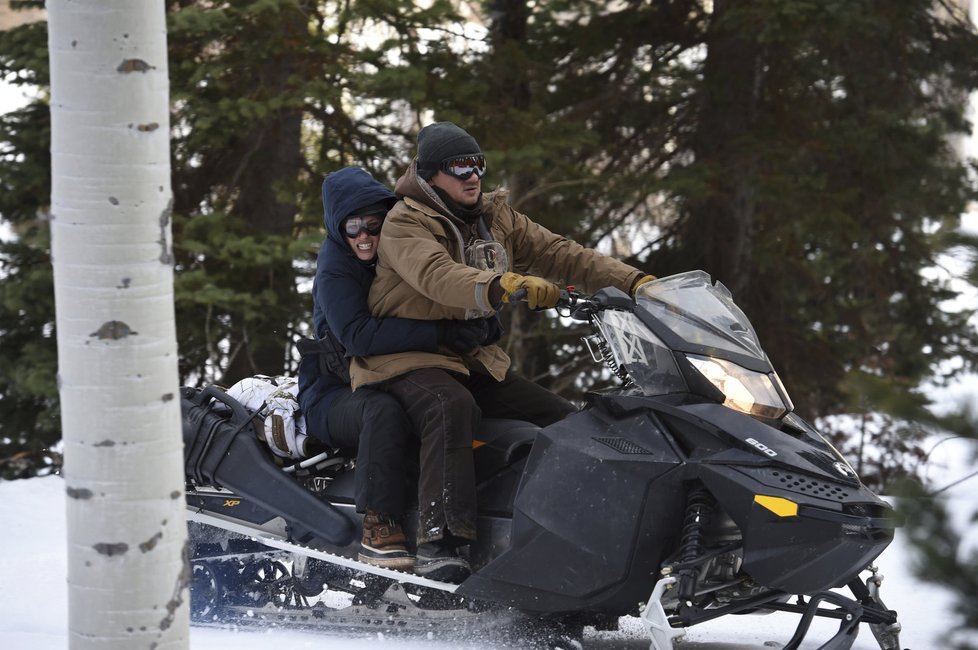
(745, 390)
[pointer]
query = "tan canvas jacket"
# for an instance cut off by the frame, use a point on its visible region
(421, 273)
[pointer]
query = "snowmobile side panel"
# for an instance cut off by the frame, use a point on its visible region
(601, 535)
(342, 489)
(495, 493)
(231, 506)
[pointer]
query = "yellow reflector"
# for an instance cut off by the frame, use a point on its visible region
(777, 505)
(477, 443)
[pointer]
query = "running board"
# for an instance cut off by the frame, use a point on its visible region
(278, 542)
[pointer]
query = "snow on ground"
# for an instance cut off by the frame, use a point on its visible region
(11, 97)
(33, 593)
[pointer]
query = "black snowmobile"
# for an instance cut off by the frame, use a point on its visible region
(689, 492)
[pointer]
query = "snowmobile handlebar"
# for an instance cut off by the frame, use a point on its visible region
(518, 296)
(580, 306)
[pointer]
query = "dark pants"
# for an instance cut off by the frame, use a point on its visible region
(445, 409)
(374, 424)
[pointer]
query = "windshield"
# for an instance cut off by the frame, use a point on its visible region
(700, 313)
(648, 360)
(697, 322)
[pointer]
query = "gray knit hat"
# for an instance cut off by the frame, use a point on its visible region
(440, 141)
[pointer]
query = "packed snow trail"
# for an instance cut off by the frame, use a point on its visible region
(33, 597)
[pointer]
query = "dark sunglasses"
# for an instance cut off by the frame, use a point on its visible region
(462, 168)
(353, 226)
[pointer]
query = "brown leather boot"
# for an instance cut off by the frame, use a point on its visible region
(384, 543)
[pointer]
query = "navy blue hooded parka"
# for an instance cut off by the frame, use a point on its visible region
(340, 297)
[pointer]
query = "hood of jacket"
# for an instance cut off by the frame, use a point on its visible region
(343, 192)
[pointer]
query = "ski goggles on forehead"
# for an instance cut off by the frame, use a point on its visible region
(464, 166)
(353, 226)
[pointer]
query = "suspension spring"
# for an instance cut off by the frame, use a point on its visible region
(608, 358)
(699, 511)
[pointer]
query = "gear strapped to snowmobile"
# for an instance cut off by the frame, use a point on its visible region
(689, 492)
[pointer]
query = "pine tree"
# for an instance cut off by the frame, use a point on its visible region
(934, 527)
(29, 415)
(269, 97)
(817, 132)
(575, 104)
(245, 237)
(239, 87)
(821, 184)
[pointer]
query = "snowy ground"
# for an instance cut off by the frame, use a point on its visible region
(33, 599)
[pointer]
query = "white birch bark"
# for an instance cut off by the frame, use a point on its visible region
(117, 363)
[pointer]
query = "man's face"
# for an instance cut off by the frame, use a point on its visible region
(363, 233)
(465, 193)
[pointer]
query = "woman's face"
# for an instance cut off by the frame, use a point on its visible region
(363, 234)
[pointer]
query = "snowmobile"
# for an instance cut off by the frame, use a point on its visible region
(689, 491)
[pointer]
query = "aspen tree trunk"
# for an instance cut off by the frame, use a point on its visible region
(117, 364)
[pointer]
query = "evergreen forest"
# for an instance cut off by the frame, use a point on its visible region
(806, 153)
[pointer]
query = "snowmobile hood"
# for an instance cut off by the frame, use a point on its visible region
(805, 451)
(346, 190)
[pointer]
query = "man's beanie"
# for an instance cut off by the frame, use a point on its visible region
(440, 141)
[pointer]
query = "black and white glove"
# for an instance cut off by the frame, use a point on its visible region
(495, 330)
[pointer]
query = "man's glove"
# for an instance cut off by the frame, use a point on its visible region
(639, 282)
(462, 336)
(540, 294)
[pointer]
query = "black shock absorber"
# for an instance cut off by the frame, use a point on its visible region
(699, 510)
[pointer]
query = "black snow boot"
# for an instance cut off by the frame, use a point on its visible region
(441, 561)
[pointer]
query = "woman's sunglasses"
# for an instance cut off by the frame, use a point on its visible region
(353, 226)
(462, 168)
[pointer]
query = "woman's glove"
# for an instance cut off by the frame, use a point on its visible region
(462, 336)
(495, 330)
(540, 294)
